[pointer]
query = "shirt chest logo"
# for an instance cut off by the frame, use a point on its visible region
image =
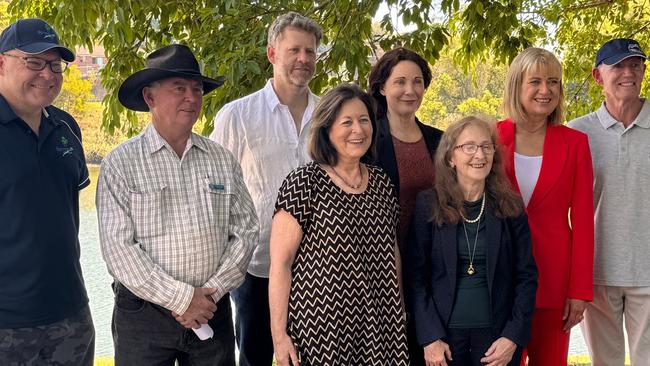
(64, 149)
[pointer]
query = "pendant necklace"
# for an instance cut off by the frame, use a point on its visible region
(357, 186)
(472, 251)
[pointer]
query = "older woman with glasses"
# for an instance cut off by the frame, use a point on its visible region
(470, 274)
(333, 287)
(550, 165)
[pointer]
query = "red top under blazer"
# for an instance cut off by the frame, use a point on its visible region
(563, 249)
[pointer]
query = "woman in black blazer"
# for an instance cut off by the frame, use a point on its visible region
(469, 274)
(405, 146)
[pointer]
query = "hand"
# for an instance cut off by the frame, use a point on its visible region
(572, 315)
(201, 309)
(499, 353)
(437, 353)
(285, 352)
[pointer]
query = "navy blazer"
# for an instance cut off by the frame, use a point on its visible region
(430, 273)
(386, 151)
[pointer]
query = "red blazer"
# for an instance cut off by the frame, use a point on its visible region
(560, 214)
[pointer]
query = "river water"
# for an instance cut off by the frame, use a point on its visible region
(98, 281)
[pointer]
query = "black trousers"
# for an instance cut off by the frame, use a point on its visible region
(147, 334)
(468, 346)
(253, 322)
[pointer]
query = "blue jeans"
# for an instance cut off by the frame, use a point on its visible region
(252, 322)
(147, 334)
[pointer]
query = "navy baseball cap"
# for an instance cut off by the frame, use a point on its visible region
(618, 50)
(32, 36)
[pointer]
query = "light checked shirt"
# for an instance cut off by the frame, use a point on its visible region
(262, 135)
(168, 225)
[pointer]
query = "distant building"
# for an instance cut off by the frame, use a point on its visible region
(90, 63)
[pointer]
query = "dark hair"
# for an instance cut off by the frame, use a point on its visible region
(321, 149)
(384, 67)
(499, 194)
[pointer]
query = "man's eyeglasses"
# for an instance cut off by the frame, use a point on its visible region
(471, 149)
(38, 64)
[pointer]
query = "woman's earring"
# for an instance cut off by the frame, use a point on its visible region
(451, 164)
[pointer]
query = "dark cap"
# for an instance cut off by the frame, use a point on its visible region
(32, 36)
(618, 50)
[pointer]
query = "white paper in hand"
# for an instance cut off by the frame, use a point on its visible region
(205, 332)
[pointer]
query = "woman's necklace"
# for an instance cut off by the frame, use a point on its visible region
(477, 217)
(353, 186)
(472, 251)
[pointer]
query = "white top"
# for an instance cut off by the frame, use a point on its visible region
(262, 135)
(527, 171)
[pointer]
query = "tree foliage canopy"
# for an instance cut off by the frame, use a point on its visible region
(229, 37)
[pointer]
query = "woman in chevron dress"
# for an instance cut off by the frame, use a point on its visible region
(334, 288)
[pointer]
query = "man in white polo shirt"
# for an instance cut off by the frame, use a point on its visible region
(619, 139)
(267, 132)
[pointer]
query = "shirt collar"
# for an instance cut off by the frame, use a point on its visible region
(7, 114)
(272, 99)
(155, 142)
(269, 95)
(641, 120)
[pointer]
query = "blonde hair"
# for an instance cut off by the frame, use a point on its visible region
(530, 59)
(498, 193)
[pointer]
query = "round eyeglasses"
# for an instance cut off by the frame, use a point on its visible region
(38, 64)
(471, 149)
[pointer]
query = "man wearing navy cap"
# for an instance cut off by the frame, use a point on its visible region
(44, 315)
(619, 139)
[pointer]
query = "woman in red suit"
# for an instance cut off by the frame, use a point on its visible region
(550, 165)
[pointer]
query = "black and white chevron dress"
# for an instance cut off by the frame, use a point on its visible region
(344, 304)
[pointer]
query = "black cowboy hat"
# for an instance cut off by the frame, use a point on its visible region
(170, 61)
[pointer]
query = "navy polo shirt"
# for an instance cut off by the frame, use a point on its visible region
(40, 179)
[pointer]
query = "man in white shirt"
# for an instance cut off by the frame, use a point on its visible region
(619, 140)
(267, 132)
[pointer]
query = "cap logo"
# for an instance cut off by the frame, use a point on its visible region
(634, 48)
(46, 35)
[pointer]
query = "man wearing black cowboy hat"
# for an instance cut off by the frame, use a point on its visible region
(44, 315)
(619, 140)
(177, 225)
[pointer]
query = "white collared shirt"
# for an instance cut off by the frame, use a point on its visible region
(261, 133)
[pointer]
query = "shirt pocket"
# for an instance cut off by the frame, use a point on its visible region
(148, 212)
(217, 197)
